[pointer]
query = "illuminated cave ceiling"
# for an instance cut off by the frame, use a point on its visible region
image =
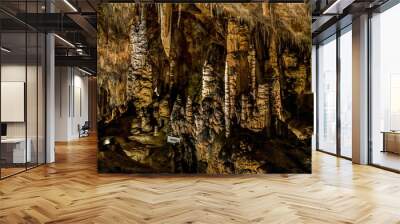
(283, 24)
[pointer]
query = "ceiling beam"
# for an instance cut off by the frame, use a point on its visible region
(85, 25)
(78, 61)
(49, 22)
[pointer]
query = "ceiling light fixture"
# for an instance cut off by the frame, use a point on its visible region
(5, 50)
(84, 71)
(331, 7)
(70, 5)
(337, 7)
(65, 41)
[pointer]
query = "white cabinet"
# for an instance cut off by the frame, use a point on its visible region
(19, 155)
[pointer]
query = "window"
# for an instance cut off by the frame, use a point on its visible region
(22, 77)
(327, 95)
(346, 92)
(334, 106)
(385, 89)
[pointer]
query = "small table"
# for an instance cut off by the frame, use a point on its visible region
(13, 150)
(391, 141)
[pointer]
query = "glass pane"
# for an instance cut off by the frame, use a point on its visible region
(346, 94)
(32, 97)
(385, 84)
(327, 96)
(13, 86)
(23, 89)
(41, 99)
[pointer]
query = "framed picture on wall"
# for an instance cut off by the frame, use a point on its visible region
(204, 88)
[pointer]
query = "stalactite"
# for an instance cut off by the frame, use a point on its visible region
(264, 95)
(237, 67)
(166, 17)
(179, 14)
(166, 26)
(266, 9)
(231, 71)
(273, 64)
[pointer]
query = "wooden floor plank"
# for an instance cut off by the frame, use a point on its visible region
(71, 191)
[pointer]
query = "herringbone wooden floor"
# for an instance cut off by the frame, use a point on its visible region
(71, 191)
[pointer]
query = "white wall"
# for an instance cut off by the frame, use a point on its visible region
(9, 73)
(16, 73)
(62, 81)
(80, 110)
(33, 127)
(71, 102)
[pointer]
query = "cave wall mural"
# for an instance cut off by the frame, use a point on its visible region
(204, 88)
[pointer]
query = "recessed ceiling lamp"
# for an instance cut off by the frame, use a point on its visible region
(5, 50)
(70, 5)
(65, 41)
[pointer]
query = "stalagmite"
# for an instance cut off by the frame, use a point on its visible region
(139, 81)
(176, 121)
(208, 84)
(275, 81)
(263, 102)
(252, 66)
(189, 111)
(226, 101)
(171, 79)
(244, 111)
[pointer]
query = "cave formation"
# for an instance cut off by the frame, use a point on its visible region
(231, 81)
